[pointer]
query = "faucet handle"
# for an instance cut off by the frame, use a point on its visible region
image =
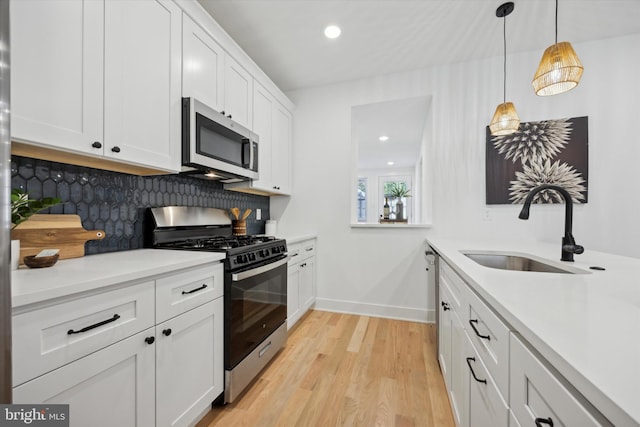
(574, 249)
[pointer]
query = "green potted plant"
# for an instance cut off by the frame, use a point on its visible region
(398, 190)
(22, 208)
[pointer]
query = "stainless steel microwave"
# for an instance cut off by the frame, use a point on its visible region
(215, 145)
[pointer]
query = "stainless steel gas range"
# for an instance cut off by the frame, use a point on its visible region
(255, 285)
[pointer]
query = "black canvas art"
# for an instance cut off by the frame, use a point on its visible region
(546, 152)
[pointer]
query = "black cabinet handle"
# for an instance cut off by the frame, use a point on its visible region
(469, 360)
(194, 290)
(95, 325)
(166, 332)
(547, 421)
(229, 116)
(485, 337)
(150, 340)
(115, 149)
(445, 306)
(96, 144)
(222, 112)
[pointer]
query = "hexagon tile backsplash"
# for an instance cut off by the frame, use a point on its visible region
(116, 202)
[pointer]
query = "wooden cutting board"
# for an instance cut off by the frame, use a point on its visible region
(64, 232)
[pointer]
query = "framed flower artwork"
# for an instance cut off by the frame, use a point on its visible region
(545, 152)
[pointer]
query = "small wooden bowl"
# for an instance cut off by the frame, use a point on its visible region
(44, 261)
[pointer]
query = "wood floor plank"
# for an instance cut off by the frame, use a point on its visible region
(346, 370)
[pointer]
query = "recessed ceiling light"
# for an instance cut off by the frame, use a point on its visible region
(390, 163)
(384, 138)
(332, 32)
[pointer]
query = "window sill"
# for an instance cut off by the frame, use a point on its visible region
(377, 225)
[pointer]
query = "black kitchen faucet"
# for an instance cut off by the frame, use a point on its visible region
(569, 246)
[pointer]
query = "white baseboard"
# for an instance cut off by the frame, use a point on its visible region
(376, 310)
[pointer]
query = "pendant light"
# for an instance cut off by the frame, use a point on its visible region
(560, 69)
(505, 120)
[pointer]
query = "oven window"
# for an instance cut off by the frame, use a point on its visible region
(258, 306)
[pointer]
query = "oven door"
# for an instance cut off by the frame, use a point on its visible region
(255, 306)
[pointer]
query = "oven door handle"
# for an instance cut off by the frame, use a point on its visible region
(255, 271)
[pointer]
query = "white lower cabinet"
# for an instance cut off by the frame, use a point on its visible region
(492, 378)
(301, 280)
(118, 362)
(189, 364)
(111, 387)
(539, 398)
(487, 407)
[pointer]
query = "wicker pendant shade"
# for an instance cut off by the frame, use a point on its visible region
(560, 70)
(505, 120)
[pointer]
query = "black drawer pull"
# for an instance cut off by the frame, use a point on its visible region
(194, 290)
(95, 325)
(445, 306)
(471, 322)
(150, 340)
(166, 332)
(115, 149)
(547, 421)
(469, 359)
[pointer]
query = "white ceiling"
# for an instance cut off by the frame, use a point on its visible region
(403, 121)
(285, 37)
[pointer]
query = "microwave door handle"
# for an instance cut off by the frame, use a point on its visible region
(255, 271)
(245, 142)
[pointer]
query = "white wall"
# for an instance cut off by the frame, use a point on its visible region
(382, 271)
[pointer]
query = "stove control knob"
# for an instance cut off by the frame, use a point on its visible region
(252, 256)
(264, 253)
(239, 259)
(275, 250)
(244, 258)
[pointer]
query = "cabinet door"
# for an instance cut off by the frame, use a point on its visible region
(263, 105)
(459, 382)
(111, 387)
(444, 335)
(189, 364)
(56, 75)
(293, 295)
(281, 150)
(143, 82)
(486, 405)
(202, 66)
(307, 284)
(238, 92)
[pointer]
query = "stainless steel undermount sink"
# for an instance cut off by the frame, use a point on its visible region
(519, 262)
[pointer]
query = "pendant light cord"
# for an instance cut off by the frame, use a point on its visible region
(504, 39)
(556, 21)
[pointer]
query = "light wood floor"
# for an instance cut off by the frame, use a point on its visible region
(345, 370)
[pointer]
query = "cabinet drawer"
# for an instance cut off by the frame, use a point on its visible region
(181, 292)
(535, 393)
(295, 253)
(491, 339)
(47, 338)
(486, 404)
(457, 289)
(308, 249)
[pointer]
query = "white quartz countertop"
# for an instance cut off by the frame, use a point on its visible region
(71, 276)
(301, 238)
(586, 325)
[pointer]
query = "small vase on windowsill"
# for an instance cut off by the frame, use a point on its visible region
(399, 210)
(15, 254)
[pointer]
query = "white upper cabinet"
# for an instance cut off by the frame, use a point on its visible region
(62, 98)
(202, 65)
(281, 150)
(56, 93)
(142, 82)
(272, 123)
(238, 92)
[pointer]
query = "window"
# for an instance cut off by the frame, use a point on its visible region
(396, 190)
(362, 199)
